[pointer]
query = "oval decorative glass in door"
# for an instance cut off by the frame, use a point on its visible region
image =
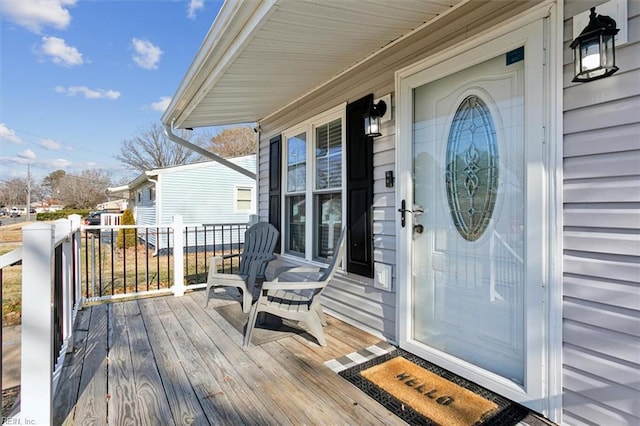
(472, 168)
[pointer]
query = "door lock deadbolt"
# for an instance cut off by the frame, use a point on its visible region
(418, 229)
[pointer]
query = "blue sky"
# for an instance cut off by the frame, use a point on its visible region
(78, 77)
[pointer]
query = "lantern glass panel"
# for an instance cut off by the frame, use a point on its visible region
(590, 54)
(608, 52)
(372, 126)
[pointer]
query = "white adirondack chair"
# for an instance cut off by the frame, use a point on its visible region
(259, 243)
(300, 300)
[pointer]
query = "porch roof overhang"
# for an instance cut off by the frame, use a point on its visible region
(261, 56)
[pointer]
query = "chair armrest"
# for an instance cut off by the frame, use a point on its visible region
(293, 285)
(227, 256)
(214, 263)
(297, 269)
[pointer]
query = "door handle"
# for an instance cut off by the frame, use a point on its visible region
(403, 211)
(417, 210)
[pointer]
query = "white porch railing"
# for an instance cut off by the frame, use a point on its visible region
(53, 292)
(110, 219)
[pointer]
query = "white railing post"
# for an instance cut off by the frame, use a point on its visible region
(65, 226)
(76, 221)
(178, 256)
(37, 323)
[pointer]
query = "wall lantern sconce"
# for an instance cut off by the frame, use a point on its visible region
(372, 119)
(594, 53)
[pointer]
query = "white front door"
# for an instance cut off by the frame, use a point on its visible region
(474, 229)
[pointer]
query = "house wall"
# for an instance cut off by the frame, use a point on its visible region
(146, 216)
(204, 194)
(601, 306)
(351, 297)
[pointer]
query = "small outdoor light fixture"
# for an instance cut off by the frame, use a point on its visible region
(594, 54)
(372, 119)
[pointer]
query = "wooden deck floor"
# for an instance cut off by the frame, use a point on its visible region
(167, 360)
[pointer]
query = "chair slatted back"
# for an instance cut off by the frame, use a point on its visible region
(259, 241)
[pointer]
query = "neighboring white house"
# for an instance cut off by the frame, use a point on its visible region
(202, 193)
(493, 227)
(118, 205)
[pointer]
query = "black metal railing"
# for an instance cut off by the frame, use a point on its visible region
(112, 266)
(58, 300)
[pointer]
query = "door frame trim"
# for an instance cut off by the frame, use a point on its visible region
(550, 383)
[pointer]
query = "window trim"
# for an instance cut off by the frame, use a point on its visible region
(235, 199)
(309, 128)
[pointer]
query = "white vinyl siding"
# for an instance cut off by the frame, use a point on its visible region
(601, 310)
(205, 193)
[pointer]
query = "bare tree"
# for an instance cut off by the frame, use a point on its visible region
(84, 190)
(14, 192)
(152, 149)
(233, 142)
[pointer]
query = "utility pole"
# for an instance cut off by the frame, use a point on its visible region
(28, 192)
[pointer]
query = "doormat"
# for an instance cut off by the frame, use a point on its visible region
(268, 328)
(429, 394)
(422, 393)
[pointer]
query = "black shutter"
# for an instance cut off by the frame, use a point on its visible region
(275, 159)
(359, 191)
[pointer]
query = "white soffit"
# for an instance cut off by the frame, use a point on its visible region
(260, 56)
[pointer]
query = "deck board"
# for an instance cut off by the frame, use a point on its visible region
(247, 374)
(152, 405)
(183, 402)
(68, 388)
(121, 403)
(213, 399)
(231, 397)
(168, 360)
(91, 406)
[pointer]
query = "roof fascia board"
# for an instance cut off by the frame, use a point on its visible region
(370, 57)
(225, 41)
(182, 167)
(121, 188)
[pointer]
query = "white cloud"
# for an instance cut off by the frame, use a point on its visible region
(88, 93)
(36, 14)
(60, 52)
(50, 144)
(58, 163)
(162, 104)
(13, 160)
(27, 154)
(194, 6)
(147, 55)
(9, 135)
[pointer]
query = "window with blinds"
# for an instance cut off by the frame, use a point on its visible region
(313, 157)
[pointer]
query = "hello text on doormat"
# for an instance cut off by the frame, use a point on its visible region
(436, 398)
